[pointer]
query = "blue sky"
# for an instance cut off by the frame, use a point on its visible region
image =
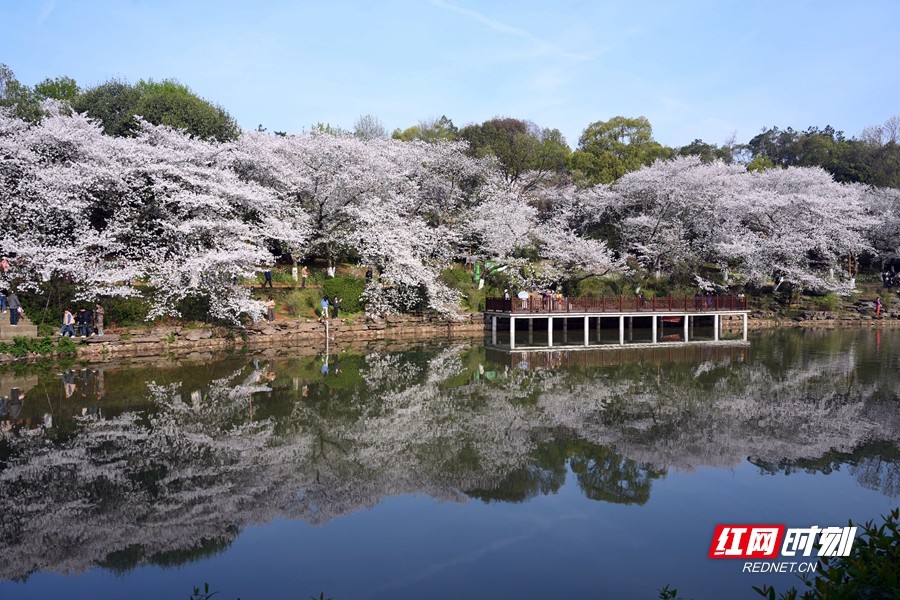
(696, 69)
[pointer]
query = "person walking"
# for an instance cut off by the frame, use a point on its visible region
(99, 313)
(325, 307)
(878, 306)
(2, 300)
(336, 304)
(79, 322)
(14, 309)
(304, 275)
(270, 309)
(267, 275)
(68, 324)
(88, 323)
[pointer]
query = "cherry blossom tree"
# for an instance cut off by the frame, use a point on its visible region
(884, 205)
(401, 207)
(669, 216)
(159, 208)
(796, 226)
(792, 225)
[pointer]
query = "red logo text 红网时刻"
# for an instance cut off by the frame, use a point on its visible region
(775, 541)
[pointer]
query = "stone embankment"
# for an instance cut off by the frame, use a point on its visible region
(161, 341)
(861, 314)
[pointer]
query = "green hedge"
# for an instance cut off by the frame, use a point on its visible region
(348, 289)
(125, 311)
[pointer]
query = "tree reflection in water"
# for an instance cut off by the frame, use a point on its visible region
(179, 460)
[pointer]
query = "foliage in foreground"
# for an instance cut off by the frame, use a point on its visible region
(871, 571)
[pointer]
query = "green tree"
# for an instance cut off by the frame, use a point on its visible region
(112, 103)
(708, 152)
(520, 147)
(59, 88)
(873, 160)
(22, 99)
(116, 103)
(428, 130)
(608, 150)
(170, 103)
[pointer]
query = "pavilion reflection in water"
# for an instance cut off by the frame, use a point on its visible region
(609, 356)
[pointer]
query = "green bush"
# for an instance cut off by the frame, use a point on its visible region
(44, 316)
(458, 279)
(125, 311)
(473, 298)
(22, 346)
(298, 303)
(65, 346)
(348, 289)
(830, 302)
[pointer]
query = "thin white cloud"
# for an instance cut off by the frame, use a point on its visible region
(48, 7)
(500, 27)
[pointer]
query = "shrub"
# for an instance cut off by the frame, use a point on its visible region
(24, 346)
(300, 302)
(829, 301)
(66, 347)
(458, 279)
(473, 299)
(125, 311)
(348, 289)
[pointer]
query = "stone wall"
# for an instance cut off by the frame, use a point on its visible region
(180, 341)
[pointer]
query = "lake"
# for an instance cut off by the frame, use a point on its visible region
(439, 469)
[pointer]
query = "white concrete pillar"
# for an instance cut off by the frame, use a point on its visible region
(745, 327)
(550, 331)
(512, 333)
(621, 330)
(715, 328)
(587, 329)
(686, 320)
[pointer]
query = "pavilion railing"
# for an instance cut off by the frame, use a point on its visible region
(603, 304)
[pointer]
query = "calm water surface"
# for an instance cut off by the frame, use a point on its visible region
(439, 470)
